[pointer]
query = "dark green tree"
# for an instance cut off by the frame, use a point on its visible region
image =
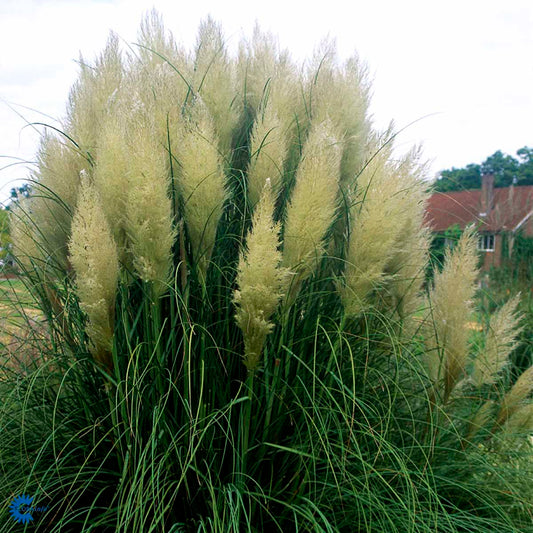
(505, 168)
(525, 158)
(456, 179)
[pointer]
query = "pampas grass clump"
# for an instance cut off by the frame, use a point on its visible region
(236, 333)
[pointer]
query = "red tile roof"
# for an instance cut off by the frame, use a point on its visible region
(510, 206)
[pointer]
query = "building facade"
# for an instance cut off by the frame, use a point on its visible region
(497, 213)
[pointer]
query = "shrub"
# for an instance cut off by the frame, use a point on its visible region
(230, 262)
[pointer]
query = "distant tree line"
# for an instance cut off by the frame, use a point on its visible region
(505, 168)
(5, 239)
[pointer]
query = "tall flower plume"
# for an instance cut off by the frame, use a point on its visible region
(214, 81)
(313, 203)
(451, 304)
(377, 218)
(149, 218)
(342, 95)
(201, 182)
(500, 341)
(260, 280)
(515, 398)
(93, 255)
(268, 147)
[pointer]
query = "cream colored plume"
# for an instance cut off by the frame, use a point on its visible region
(201, 182)
(342, 94)
(271, 82)
(157, 45)
(58, 175)
(259, 63)
(500, 341)
(521, 421)
(93, 255)
(161, 79)
(61, 162)
(377, 217)
(260, 280)
(269, 75)
(214, 81)
(313, 203)
(92, 96)
(111, 176)
(268, 148)
(406, 268)
(148, 215)
(451, 307)
(515, 398)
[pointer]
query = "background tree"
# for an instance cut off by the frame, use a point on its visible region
(504, 167)
(17, 193)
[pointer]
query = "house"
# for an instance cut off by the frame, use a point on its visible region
(497, 213)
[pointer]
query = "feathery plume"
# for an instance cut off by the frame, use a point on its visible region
(258, 64)
(201, 182)
(268, 75)
(271, 79)
(214, 81)
(111, 178)
(93, 255)
(260, 280)
(157, 45)
(342, 95)
(93, 94)
(313, 203)
(500, 341)
(406, 268)
(268, 147)
(60, 165)
(160, 79)
(521, 421)
(148, 220)
(451, 302)
(514, 399)
(377, 218)
(56, 190)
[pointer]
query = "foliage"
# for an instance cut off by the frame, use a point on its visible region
(514, 276)
(17, 193)
(439, 243)
(506, 169)
(215, 359)
(518, 258)
(5, 239)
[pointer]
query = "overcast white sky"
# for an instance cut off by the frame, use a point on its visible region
(465, 65)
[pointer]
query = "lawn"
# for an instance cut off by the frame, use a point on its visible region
(17, 309)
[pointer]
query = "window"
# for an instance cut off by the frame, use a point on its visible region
(485, 242)
(449, 243)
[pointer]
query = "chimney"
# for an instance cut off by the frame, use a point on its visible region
(487, 194)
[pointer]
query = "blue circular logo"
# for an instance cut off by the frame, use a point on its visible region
(20, 509)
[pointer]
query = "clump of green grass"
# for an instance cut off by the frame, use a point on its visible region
(229, 261)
